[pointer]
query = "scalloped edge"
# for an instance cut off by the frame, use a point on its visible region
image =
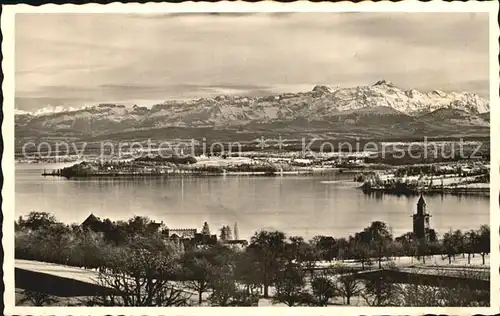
(8, 192)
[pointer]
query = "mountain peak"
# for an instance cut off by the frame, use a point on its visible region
(383, 82)
(322, 89)
(322, 104)
(438, 93)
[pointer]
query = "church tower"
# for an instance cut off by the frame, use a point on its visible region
(421, 219)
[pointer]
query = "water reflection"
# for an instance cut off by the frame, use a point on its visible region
(298, 205)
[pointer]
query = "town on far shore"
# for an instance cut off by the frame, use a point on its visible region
(375, 171)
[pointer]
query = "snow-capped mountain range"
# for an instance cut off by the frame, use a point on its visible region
(380, 103)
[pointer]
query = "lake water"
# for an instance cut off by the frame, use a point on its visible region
(298, 205)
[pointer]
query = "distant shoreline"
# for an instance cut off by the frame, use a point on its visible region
(188, 173)
(429, 191)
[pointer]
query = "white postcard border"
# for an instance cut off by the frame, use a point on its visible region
(8, 190)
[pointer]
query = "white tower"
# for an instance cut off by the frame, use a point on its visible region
(235, 231)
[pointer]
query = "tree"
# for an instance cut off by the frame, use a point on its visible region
(301, 252)
(326, 246)
(431, 235)
(88, 250)
(343, 248)
(409, 244)
(229, 234)
(484, 241)
(379, 292)
(19, 224)
(223, 286)
(198, 273)
(418, 295)
(223, 233)
(289, 285)
(248, 272)
(462, 294)
(141, 273)
(396, 249)
(459, 242)
(215, 269)
(348, 287)
(435, 248)
(36, 298)
(361, 252)
(422, 250)
(141, 225)
(310, 256)
(323, 289)
(471, 239)
(38, 220)
(203, 267)
(268, 250)
(449, 245)
(205, 230)
(50, 244)
(380, 239)
(294, 248)
(225, 291)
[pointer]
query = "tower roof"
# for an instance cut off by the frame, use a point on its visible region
(90, 219)
(421, 200)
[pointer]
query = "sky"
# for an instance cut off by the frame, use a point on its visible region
(72, 60)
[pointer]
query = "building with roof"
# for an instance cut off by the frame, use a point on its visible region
(92, 223)
(181, 233)
(421, 223)
(238, 243)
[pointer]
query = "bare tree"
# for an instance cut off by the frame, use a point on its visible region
(443, 293)
(141, 274)
(349, 286)
(136, 292)
(361, 252)
(462, 294)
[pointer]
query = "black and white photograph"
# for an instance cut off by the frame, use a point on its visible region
(237, 158)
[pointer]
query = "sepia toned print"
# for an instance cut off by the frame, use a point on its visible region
(246, 155)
